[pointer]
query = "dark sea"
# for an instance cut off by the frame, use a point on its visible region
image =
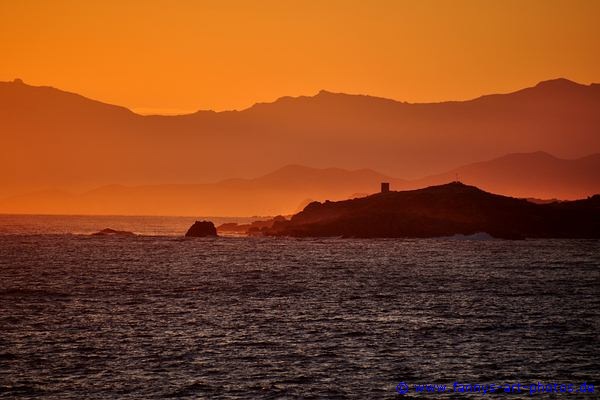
(161, 316)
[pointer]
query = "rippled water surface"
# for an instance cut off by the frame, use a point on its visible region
(250, 318)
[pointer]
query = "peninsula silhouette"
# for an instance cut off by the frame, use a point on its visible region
(444, 210)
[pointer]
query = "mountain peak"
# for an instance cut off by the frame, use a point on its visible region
(324, 92)
(558, 83)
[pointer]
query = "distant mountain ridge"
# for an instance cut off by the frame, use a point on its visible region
(290, 188)
(55, 139)
(280, 192)
(536, 175)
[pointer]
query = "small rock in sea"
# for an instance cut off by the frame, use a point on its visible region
(113, 232)
(202, 229)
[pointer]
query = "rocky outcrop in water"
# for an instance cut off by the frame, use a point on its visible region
(254, 228)
(113, 232)
(202, 229)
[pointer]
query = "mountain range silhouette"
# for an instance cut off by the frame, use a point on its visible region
(54, 142)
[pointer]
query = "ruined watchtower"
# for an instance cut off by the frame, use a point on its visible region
(385, 187)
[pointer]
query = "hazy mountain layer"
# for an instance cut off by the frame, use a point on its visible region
(289, 189)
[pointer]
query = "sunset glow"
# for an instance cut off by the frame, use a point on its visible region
(166, 57)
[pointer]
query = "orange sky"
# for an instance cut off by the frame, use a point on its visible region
(180, 56)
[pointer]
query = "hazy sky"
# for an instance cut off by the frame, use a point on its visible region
(179, 56)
